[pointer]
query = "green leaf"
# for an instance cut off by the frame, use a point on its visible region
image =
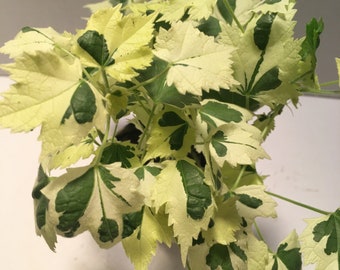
(95, 45)
(312, 40)
(215, 113)
(83, 104)
(250, 201)
(229, 140)
(198, 193)
(268, 81)
(108, 230)
(41, 205)
(330, 229)
(94, 199)
(262, 30)
(254, 202)
(118, 152)
(288, 254)
(320, 241)
(169, 191)
(224, 11)
(219, 256)
(210, 27)
(72, 202)
(176, 138)
(160, 91)
(131, 222)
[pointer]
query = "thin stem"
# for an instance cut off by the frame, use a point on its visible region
(146, 130)
(299, 204)
(104, 144)
(239, 177)
(231, 11)
(325, 84)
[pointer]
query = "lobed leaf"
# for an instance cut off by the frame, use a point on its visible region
(197, 61)
(320, 241)
(94, 199)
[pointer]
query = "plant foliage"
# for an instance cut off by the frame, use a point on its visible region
(191, 77)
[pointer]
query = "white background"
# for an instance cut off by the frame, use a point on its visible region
(304, 149)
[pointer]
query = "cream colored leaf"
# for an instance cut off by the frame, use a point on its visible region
(197, 61)
(169, 191)
(265, 207)
(236, 144)
(45, 83)
(37, 39)
(127, 39)
(315, 252)
(282, 52)
(93, 199)
(226, 222)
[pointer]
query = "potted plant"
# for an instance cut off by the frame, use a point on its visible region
(197, 86)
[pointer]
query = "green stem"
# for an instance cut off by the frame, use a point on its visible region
(231, 11)
(239, 177)
(100, 150)
(299, 203)
(146, 130)
(325, 84)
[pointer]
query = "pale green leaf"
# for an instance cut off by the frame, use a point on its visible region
(93, 199)
(257, 252)
(63, 144)
(141, 246)
(30, 101)
(170, 191)
(174, 10)
(127, 39)
(320, 242)
(171, 135)
(252, 65)
(338, 67)
(197, 61)
(236, 144)
(43, 226)
(255, 202)
(226, 223)
(288, 254)
(36, 40)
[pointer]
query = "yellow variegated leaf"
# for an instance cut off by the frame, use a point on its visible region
(236, 144)
(37, 39)
(197, 61)
(141, 246)
(320, 242)
(226, 222)
(93, 199)
(174, 10)
(288, 254)
(169, 191)
(338, 67)
(45, 83)
(255, 202)
(127, 39)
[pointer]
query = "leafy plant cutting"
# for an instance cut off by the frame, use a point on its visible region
(155, 113)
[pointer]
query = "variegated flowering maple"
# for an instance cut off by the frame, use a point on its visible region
(191, 76)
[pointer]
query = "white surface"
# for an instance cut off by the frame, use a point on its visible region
(305, 166)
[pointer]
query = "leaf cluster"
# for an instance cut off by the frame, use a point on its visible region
(197, 86)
